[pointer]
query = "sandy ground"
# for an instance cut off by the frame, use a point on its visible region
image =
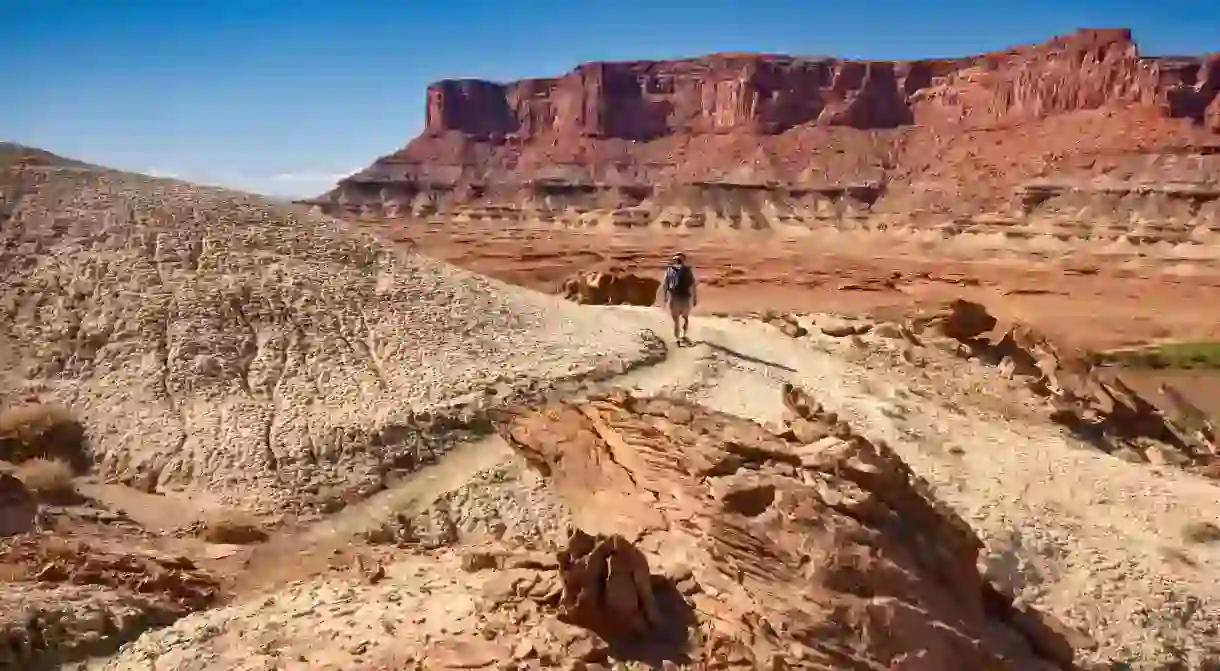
(1091, 538)
(1095, 295)
(1095, 540)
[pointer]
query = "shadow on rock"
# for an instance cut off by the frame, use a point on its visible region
(783, 552)
(1093, 403)
(609, 590)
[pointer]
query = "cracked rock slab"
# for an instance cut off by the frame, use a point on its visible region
(822, 556)
(220, 342)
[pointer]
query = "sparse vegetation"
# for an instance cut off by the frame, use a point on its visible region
(36, 430)
(233, 527)
(48, 479)
(1181, 356)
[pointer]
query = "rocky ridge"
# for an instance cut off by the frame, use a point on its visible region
(712, 544)
(223, 345)
(1070, 386)
(737, 513)
(78, 581)
(988, 142)
(1075, 533)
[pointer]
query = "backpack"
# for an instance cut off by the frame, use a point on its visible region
(678, 281)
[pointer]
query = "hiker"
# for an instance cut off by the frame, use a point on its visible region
(680, 295)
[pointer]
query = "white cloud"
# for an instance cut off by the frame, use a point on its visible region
(300, 184)
(165, 174)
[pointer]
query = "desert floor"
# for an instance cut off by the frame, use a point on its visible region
(1094, 297)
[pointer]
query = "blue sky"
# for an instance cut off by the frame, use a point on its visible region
(283, 97)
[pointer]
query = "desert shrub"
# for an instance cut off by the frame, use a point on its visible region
(36, 430)
(1186, 355)
(233, 527)
(48, 479)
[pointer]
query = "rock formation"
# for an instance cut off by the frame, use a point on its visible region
(760, 140)
(17, 506)
(607, 587)
(611, 286)
(214, 340)
(1088, 399)
(64, 600)
(825, 555)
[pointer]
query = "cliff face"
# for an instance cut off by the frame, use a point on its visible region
(726, 93)
(613, 135)
(648, 100)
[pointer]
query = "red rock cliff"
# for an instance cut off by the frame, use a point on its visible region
(773, 119)
(645, 100)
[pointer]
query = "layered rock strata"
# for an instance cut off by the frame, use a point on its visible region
(1083, 121)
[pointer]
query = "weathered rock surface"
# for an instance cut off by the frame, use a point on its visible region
(827, 555)
(1092, 539)
(711, 544)
(64, 600)
(17, 506)
(216, 341)
(611, 286)
(755, 140)
(1090, 400)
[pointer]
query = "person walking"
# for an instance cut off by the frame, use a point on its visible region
(680, 296)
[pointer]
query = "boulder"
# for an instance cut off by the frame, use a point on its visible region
(1092, 402)
(612, 286)
(607, 587)
(17, 506)
(838, 328)
(960, 319)
(788, 324)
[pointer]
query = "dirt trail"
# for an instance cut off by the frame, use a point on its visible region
(453, 470)
(1096, 540)
(683, 370)
(311, 548)
(688, 371)
(1092, 539)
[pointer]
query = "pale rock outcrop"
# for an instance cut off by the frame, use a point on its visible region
(211, 340)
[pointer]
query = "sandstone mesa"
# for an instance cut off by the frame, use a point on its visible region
(785, 139)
